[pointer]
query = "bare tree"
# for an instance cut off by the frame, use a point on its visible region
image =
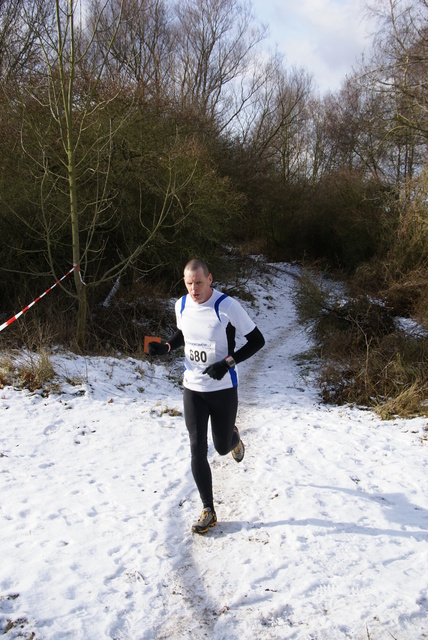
(398, 72)
(71, 115)
(140, 52)
(18, 34)
(214, 40)
(279, 130)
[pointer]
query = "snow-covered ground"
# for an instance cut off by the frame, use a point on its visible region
(323, 528)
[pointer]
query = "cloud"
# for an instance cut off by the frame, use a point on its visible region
(326, 37)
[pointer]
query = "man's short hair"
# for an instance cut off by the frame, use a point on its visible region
(195, 264)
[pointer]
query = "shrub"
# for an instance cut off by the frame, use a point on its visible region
(365, 358)
(404, 270)
(30, 371)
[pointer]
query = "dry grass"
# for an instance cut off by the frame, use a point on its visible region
(27, 370)
(365, 358)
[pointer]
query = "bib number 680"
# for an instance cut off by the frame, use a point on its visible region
(198, 356)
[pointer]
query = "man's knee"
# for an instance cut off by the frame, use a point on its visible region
(199, 449)
(222, 449)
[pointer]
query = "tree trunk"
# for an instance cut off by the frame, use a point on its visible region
(80, 286)
(81, 314)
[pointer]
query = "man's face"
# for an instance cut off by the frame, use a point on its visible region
(198, 285)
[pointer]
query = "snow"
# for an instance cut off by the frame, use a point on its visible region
(323, 528)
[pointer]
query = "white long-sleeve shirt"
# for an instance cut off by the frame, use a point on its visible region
(209, 336)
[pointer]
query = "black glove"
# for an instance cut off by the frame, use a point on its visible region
(217, 370)
(157, 348)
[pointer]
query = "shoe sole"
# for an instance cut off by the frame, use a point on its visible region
(240, 457)
(196, 530)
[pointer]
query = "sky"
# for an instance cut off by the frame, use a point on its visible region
(325, 37)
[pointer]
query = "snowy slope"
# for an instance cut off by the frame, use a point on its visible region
(323, 528)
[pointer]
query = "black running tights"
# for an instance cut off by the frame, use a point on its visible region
(221, 407)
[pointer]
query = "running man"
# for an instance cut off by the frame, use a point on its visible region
(207, 321)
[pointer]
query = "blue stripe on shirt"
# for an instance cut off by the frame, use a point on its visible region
(233, 376)
(217, 304)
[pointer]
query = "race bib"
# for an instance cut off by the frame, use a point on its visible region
(200, 354)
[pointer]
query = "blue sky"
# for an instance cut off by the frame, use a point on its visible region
(323, 36)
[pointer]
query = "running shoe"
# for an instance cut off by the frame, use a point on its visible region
(239, 451)
(207, 519)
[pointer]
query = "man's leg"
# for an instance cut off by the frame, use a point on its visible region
(196, 415)
(224, 407)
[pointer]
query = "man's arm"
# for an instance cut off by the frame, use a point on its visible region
(162, 348)
(176, 341)
(255, 341)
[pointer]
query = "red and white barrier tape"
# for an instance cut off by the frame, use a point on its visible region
(18, 315)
